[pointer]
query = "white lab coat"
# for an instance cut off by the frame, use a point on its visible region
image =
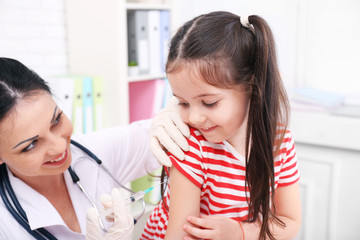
(124, 150)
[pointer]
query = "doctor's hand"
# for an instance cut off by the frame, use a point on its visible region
(168, 132)
(123, 222)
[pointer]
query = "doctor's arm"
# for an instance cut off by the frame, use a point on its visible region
(184, 201)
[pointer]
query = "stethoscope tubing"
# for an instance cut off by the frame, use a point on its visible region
(99, 162)
(20, 214)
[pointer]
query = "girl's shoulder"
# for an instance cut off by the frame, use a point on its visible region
(283, 134)
(286, 144)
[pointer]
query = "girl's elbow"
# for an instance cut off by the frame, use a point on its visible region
(295, 226)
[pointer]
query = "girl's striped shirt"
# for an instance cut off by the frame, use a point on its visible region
(219, 171)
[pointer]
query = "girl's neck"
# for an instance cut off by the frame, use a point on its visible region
(239, 146)
(238, 141)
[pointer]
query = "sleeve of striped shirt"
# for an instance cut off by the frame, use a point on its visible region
(289, 172)
(192, 166)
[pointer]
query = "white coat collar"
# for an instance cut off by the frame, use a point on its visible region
(39, 210)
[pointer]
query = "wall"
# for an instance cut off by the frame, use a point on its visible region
(280, 17)
(317, 40)
(33, 31)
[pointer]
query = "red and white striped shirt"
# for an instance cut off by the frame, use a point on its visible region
(219, 171)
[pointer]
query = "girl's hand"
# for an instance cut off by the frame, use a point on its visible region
(213, 227)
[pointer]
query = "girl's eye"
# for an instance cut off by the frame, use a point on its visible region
(30, 146)
(182, 104)
(210, 104)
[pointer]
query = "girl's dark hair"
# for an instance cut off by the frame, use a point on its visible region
(17, 82)
(229, 55)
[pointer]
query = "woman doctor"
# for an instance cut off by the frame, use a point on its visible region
(35, 153)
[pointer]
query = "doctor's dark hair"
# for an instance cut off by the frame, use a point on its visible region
(228, 55)
(17, 82)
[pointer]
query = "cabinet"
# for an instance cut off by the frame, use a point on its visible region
(97, 45)
(328, 152)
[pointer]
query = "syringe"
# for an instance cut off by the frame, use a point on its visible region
(133, 198)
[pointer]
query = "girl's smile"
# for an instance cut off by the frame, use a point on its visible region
(207, 130)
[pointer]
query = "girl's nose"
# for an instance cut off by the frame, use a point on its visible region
(196, 117)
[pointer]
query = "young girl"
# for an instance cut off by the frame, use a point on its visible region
(240, 174)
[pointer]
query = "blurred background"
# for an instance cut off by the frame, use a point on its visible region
(318, 54)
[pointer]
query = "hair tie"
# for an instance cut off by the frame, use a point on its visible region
(246, 24)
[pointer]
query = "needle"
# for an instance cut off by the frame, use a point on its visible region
(133, 198)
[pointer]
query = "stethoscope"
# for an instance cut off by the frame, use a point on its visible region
(18, 212)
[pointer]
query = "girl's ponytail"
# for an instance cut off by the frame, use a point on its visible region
(267, 100)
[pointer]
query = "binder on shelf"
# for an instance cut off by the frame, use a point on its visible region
(62, 89)
(154, 42)
(164, 37)
(87, 105)
(145, 98)
(131, 37)
(78, 105)
(98, 97)
(138, 39)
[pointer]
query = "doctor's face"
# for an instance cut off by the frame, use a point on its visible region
(35, 138)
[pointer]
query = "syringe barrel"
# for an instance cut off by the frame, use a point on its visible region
(137, 196)
(128, 201)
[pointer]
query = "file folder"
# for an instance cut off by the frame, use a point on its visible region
(62, 89)
(154, 42)
(87, 105)
(78, 105)
(132, 39)
(167, 93)
(138, 39)
(164, 37)
(158, 96)
(98, 97)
